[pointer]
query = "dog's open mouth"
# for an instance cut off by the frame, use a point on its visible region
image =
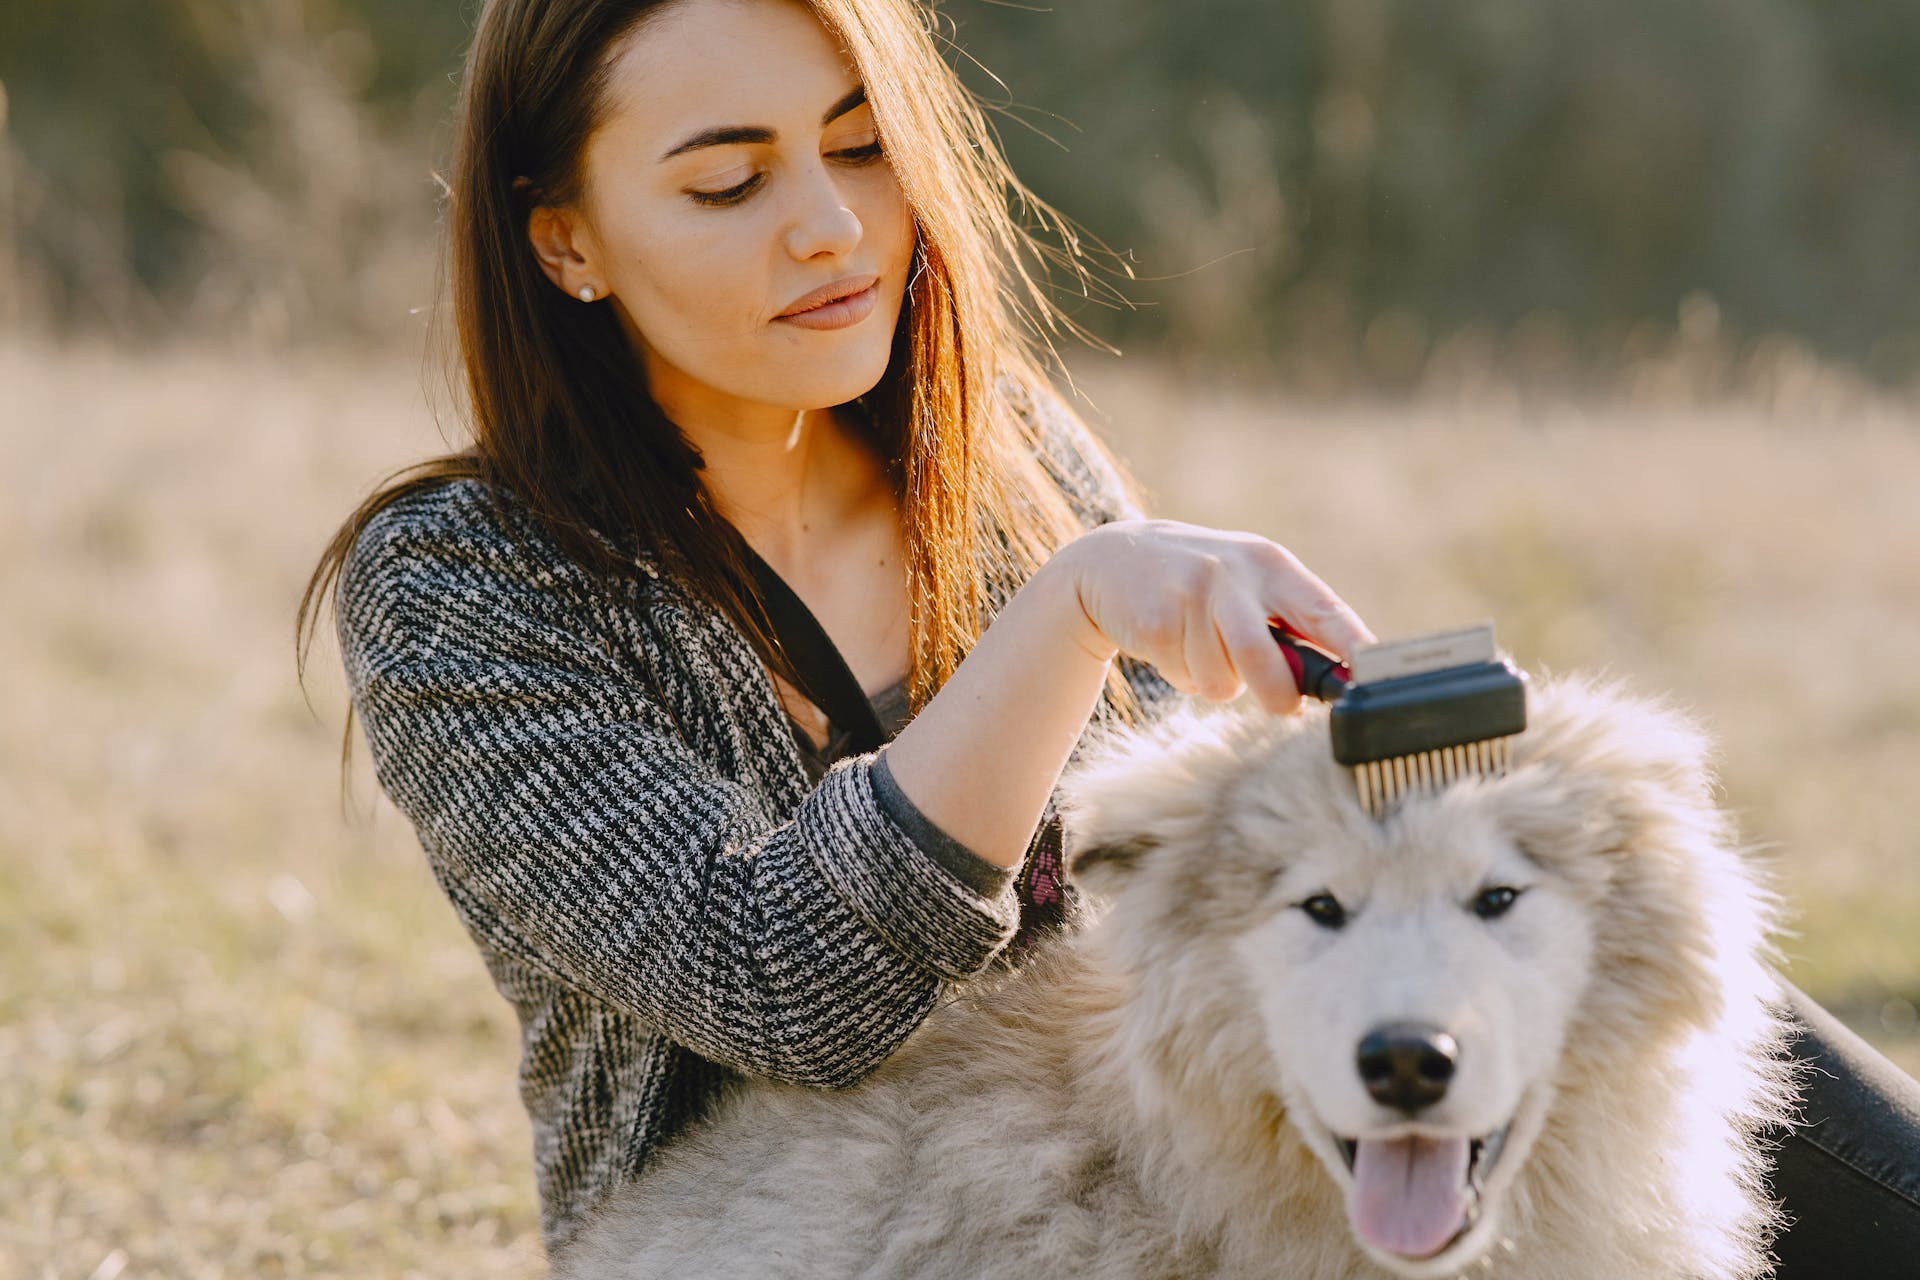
(1414, 1196)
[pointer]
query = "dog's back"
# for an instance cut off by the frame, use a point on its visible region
(978, 1150)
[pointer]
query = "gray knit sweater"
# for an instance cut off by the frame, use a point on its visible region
(608, 790)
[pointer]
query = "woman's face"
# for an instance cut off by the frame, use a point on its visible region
(735, 176)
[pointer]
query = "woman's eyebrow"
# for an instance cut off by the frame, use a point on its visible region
(760, 133)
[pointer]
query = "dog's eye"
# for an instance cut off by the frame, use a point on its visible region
(1489, 903)
(1325, 910)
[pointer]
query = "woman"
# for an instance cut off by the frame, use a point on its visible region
(740, 303)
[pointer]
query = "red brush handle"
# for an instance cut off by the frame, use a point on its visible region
(1315, 673)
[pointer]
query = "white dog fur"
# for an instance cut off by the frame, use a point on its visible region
(1158, 1094)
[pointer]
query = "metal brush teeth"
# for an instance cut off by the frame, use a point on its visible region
(1383, 782)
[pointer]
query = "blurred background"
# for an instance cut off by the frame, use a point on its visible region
(1601, 321)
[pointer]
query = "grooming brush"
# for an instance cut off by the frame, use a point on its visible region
(1414, 715)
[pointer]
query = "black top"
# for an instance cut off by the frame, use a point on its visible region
(889, 705)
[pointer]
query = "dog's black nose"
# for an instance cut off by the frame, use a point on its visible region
(1407, 1065)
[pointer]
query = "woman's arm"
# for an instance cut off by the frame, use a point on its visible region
(983, 756)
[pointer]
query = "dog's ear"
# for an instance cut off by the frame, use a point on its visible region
(1104, 866)
(1611, 770)
(1106, 832)
(1138, 792)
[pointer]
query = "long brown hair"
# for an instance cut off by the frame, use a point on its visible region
(558, 411)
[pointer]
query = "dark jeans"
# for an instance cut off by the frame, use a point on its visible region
(1849, 1172)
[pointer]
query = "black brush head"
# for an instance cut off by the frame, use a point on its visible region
(1406, 715)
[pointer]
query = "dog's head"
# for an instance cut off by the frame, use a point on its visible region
(1416, 990)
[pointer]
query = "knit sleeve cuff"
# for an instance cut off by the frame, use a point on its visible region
(925, 910)
(985, 878)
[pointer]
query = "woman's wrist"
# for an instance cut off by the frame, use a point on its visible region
(1062, 573)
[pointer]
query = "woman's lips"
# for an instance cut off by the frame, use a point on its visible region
(838, 314)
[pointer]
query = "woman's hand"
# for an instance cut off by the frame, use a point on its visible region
(1195, 603)
(981, 758)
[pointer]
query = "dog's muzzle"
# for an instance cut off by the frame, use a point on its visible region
(1414, 1194)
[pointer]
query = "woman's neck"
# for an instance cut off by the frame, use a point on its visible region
(789, 482)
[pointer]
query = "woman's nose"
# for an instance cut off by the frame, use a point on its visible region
(823, 222)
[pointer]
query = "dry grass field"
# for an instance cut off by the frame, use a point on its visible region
(241, 1034)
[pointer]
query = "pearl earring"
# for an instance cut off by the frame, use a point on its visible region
(586, 293)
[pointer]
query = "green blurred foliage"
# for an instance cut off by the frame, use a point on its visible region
(1334, 186)
(261, 164)
(1386, 172)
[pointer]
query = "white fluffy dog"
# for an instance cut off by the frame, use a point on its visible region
(1518, 1028)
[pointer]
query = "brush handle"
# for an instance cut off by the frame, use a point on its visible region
(1316, 674)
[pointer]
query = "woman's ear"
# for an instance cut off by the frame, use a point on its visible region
(566, 251)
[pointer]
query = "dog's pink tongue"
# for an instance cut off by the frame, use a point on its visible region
(1409, 1194)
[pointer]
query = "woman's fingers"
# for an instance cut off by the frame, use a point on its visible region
(1249, 645)
(1310, 607)
(1212, 670)
(1174, 672)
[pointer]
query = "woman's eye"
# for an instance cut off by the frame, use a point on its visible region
(1325, 910)
(858, 155)
(732, 195)
(1494, 902)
